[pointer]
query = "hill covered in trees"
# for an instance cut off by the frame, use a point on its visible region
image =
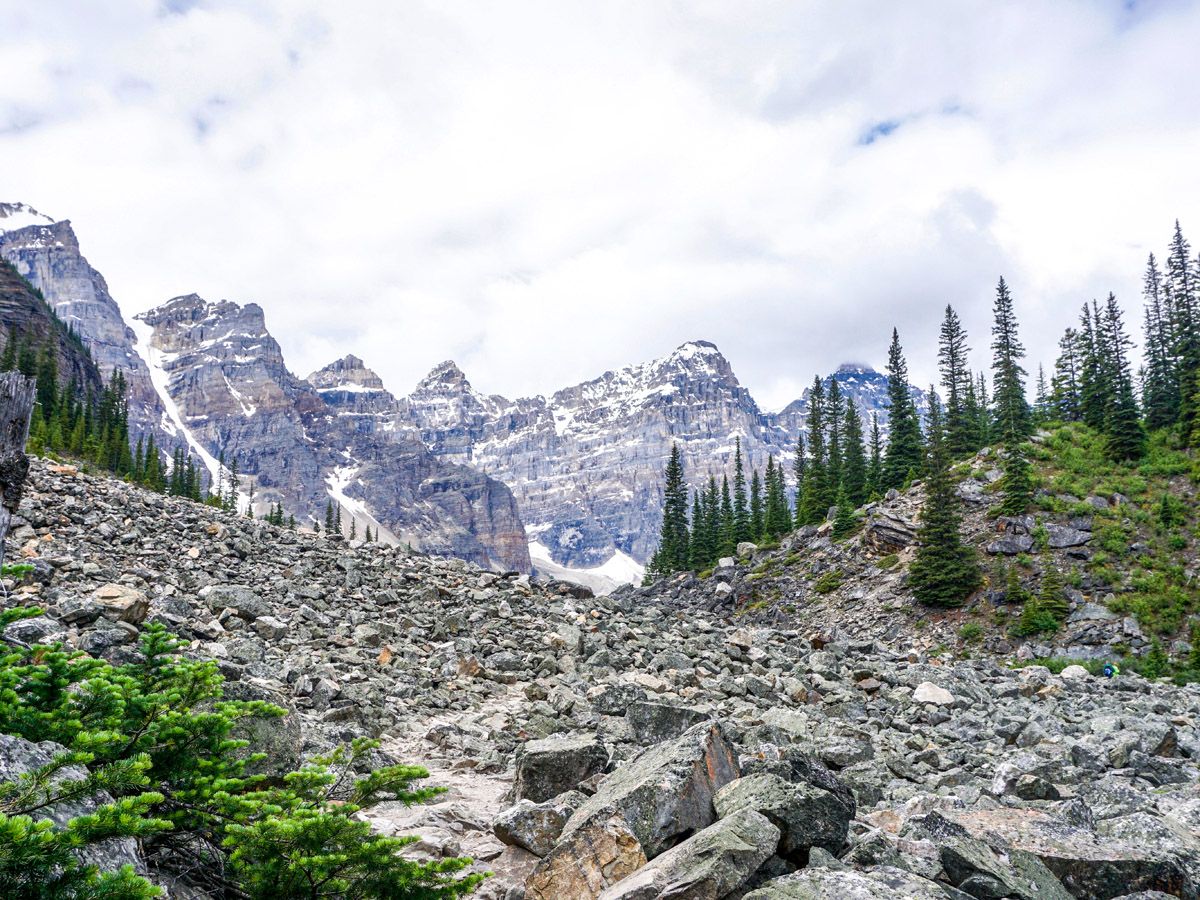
(1097, 440)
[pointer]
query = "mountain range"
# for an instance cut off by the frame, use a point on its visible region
(569, 485)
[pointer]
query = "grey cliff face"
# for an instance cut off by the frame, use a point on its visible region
(47, 254)
(305, 442)
(586, 464)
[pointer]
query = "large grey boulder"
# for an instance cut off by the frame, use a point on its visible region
(667, 790)
(807, 816)
(989, 874)
(1087, 864)
(536, 827)
(550, 766)
(708, 865)
(656, 722)
(596, 855)
(245, 603)
(882, 883)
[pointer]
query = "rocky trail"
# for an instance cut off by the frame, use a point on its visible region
(636, 746)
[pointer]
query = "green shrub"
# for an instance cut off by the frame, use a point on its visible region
(971, 632)
(828, 583)
(161, 721)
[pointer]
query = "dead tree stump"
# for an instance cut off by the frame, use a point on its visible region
(16, 405)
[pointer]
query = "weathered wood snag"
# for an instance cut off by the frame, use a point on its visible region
(16, 406)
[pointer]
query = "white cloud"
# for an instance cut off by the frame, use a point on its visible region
(544, 190)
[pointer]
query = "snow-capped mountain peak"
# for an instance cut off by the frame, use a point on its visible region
(20, 215)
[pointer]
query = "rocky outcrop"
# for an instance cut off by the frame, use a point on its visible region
(304, 444)
(25, 316)
(47, 253)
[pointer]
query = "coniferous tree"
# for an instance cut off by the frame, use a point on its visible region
(1065, 390)
(756, 505)
(1183, 282)
(956, 379)
(1041, 405)
(814, 503)
(904, 452)
(1125, 436)
(833, 444)
(741, 508)
(329, 526)
(353, 529)
(1017, 484)
(800, 470)
(1160, 390)
(944, 571)
(712, 516)
(727, 539)
(1012, 414)
(844, 522)
(672, 552)
(698, 555)
(875, 467)
(1052, 599)
(854, 458)
(778, 519)
(1095, 394)
(982, 409)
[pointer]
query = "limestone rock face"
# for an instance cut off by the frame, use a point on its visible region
(23, 312)
(47, 253)
(306, 443)
(586, 463)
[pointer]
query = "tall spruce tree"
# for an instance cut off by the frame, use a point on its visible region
(904, 452)
(728, 542)
(672, 553)
(875, 466)
(1160, 390)
(1012, 414)
(945, 571)
(834, 449)
(1125, 437)
(756, 505)
(777, 516)
(854, 458)
(956, 379)
(741, 507)
(813, 504)
(800, 467)
(1064, 391)
(1183, 282)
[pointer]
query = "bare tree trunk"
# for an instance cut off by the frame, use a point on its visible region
(16, 406)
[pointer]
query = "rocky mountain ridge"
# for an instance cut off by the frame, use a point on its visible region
(622, 747)
(46, 253)
(230, 395)
(585, 464)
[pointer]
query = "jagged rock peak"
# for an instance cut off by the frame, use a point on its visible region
(855, 368)
(697, 356)
(21, 215)
(346, 374)
(445, 373)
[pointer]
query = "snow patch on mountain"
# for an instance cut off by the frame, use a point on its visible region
(173, 422)
(14, 216)
(603, 579)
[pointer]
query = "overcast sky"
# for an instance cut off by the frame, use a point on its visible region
(543, 191)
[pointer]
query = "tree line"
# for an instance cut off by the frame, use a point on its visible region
(839, 465)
